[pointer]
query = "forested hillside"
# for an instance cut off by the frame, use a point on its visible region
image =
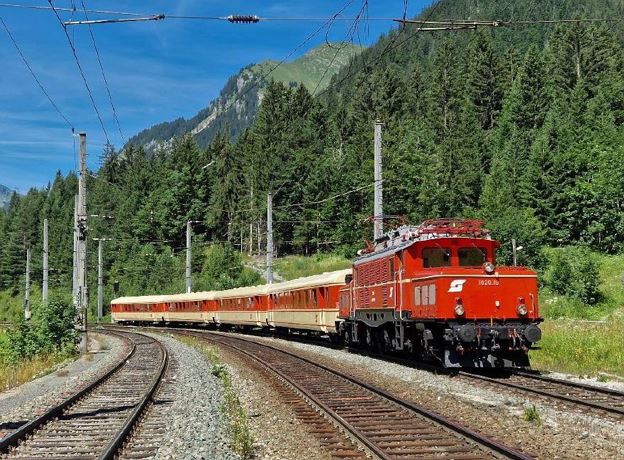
(520, 126)
(237, 105)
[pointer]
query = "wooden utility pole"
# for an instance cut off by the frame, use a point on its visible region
(378, 205)
(189, 286)
(27, 292)
(81, 244)
(514, 252)
(269, 243)
(46, 268)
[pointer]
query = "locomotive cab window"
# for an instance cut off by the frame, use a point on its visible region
(436, 257)
(472, 257)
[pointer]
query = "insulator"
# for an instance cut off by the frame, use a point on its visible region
(243, 18)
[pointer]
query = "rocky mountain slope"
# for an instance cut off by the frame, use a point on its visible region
(238, 101)
(5, 196)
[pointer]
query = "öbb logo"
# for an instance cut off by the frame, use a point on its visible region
(456, 285)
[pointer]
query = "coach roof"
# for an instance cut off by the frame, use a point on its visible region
(152, 299)
(324, 279)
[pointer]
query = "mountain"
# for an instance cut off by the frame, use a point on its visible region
(238, 101)
(5, 196)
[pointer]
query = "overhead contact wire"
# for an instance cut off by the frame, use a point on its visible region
(82, 74)
(99, 59)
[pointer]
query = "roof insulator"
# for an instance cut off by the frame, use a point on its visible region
(243, 18)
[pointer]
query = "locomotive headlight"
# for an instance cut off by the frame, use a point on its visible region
(489, 268)
(522, 309)
(459, 307)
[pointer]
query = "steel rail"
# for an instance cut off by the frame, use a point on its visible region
(553, 394)
(111, 449)
(25, 430)
(452, 426)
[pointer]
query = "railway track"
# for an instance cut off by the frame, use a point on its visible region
(602, 400)
(382, 425)
(95, 422)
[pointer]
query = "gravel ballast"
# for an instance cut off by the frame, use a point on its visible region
(562, 432)
(278, 433)
(31, 399)
(194, 424)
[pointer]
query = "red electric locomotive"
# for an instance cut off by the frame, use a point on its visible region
(435, 292)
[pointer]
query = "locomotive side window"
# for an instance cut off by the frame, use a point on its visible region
(436, 257)
(425, 295)
(432, 294)
(417, 296)
(472, 257)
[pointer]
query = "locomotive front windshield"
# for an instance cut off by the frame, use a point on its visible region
(472, 257)
(440, 256)
(436, 257)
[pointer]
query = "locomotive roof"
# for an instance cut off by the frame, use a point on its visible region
(327, 278)
(407, 235)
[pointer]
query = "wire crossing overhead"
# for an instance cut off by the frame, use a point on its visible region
(156, 17)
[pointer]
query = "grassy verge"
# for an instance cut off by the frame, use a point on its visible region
(585, 339)
(581, 348)
(291, 267)
(232, 409)
(12, 375)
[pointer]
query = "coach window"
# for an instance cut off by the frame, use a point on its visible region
(436, 257)
(472, 257)
(417, 296)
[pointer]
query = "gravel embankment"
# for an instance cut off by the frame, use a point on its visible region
(194, 424)
(563, 432)
(26, 401)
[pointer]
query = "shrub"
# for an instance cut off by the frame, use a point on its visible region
(573, 271)
(51, 331)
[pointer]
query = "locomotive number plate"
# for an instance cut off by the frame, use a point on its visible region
(489, 282)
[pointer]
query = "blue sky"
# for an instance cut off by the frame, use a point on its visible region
(157, 71)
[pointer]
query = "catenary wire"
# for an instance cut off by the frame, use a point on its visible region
(82, 74)
(99, 59)
(32, 72)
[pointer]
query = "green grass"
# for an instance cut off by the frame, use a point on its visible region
(241, 439)
(291, 267)
(580, 347)
(311, 69)
(583, 339)
(531, 414)
(611, 272)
